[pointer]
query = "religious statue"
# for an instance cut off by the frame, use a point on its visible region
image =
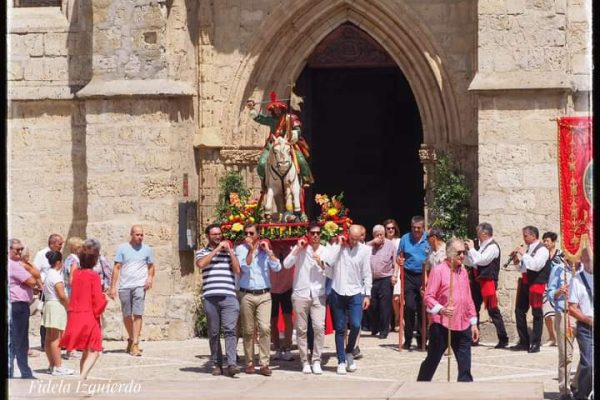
(282, 166)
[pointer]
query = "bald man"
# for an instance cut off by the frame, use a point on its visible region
(133, 274)
(350, 272)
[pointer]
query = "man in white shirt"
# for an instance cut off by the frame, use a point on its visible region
(485, 262)
(535, 271)
(350, 271)
(308, 295)
(581, 307)
(55, 243)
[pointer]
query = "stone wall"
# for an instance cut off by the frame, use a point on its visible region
(533, 66)
(93, 151)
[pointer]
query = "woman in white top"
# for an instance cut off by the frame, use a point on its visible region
(55, 313)
(392, 232)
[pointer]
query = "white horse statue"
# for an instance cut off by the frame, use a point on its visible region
(282, 180)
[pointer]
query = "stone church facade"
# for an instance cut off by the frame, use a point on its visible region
(124, 112)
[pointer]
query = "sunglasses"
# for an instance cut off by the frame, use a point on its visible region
(390, 228)
(250, 233)
(17, 248)
(315, 233)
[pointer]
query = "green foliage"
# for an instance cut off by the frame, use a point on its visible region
(201, 324)
(450, 199)
(231, 182)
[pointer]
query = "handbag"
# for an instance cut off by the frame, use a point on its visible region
(37, 304)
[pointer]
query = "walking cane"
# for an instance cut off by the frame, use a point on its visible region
(450, 320)
(566, 328)
(401, 311)
(424, 311)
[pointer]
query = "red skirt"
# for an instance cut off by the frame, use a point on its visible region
(536, 295)
(488, 293)
(83, 332)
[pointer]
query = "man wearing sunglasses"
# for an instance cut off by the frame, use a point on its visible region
(256, 259)
(20, 284)
(308, 296)
(448, 300)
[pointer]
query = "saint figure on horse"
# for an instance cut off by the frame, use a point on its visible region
(287, 125)
(282, 166)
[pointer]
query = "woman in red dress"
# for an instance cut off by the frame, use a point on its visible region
(86, 305)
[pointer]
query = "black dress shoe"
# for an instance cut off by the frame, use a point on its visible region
(501, 344)
(519, 347)
(383, 336)
(406, 346)
(232, 370)
(535, 348)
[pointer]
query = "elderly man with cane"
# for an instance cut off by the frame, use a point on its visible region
(453, 318)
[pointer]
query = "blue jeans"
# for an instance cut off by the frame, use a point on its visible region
(585, 340)
(222, 313)
(19, 339)
(345, 309)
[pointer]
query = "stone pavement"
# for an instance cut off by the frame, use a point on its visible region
(170, 369)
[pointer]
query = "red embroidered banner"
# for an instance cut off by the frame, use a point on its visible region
(575, 161)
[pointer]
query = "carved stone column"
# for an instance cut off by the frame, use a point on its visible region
(428, 159)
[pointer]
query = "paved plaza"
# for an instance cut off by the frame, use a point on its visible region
(179, 370)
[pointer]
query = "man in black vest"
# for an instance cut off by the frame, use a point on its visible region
(486, 267)
(535, 271)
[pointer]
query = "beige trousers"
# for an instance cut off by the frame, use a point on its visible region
(315, 307)
(255, 314)
(565, 354)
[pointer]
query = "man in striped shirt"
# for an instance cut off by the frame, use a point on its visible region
(219, 264)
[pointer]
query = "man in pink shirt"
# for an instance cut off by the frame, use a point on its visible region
(20, 284)
(448, 300)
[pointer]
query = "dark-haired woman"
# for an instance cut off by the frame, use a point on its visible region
(55, 313)
(86, 305)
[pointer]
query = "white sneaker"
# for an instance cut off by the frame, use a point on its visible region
(316, 368)
(306, 368)
(58, 371)
(341, 369)
(287, 356)
(351, 365)
(277, 355)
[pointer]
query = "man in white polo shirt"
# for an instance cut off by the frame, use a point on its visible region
(581, 307)
(133, 273)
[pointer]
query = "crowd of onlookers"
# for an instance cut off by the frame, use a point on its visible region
(252, 289)
(71, 294)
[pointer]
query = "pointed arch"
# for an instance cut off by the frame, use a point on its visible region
(292, 31)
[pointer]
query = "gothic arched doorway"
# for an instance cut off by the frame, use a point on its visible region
(362, 122)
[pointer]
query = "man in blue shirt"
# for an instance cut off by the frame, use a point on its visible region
(256, 258)
(412, 253)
